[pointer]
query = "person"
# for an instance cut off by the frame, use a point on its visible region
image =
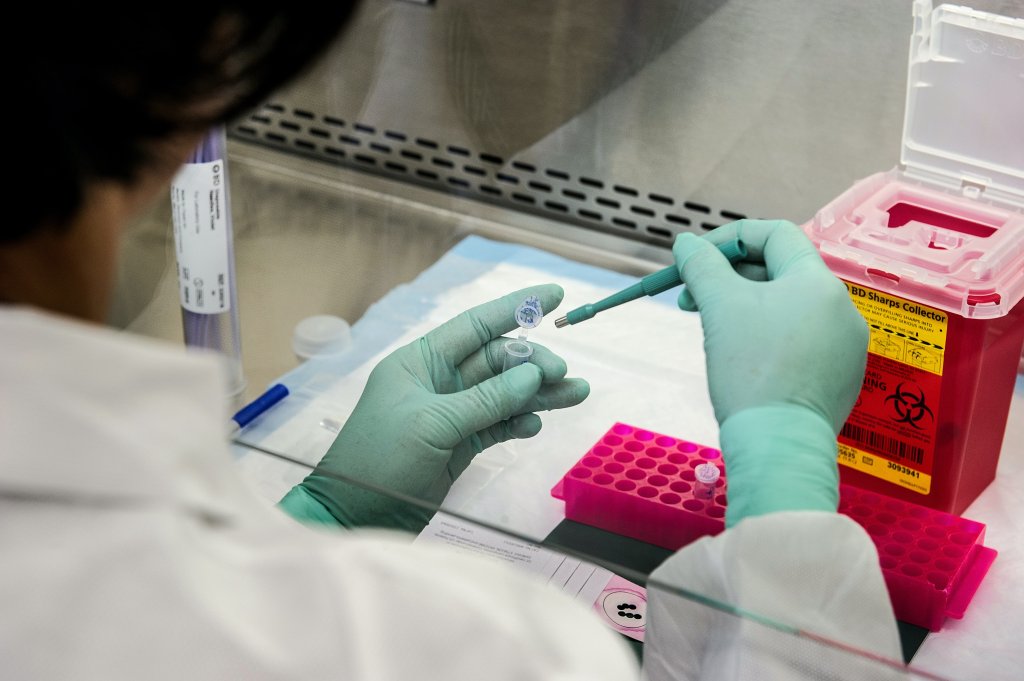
(132, 550)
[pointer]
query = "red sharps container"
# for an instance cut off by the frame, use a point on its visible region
(932, 253)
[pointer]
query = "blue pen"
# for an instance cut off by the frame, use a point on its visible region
(249, 412)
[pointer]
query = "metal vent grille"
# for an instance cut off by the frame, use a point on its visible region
(587, 201)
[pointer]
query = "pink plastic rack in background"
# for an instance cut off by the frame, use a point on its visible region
(640, 484)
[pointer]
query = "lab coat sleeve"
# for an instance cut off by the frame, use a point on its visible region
(816, 572)
(417, 611)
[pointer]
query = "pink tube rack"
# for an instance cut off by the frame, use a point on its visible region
(933, 562)
(641, 484)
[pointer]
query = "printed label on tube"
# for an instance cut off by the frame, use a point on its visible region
(891, 432)
(200, 236)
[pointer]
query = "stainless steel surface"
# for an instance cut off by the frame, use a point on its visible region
(638, 118)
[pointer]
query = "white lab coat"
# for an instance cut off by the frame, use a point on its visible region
(812, 572)
(129, 549)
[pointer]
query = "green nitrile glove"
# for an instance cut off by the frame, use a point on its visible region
(786, 351)
(429, 408)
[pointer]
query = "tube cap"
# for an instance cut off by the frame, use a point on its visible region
(321, 335)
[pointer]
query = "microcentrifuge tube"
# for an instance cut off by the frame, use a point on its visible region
(707, 475)
(528, 316)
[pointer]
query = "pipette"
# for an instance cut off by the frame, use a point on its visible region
(651, 285)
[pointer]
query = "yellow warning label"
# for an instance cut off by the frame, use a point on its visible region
(902, 330)
(885, 469)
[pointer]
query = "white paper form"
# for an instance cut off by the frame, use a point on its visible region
(595, 587)
(579, 579)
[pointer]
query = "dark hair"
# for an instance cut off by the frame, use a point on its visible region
(101, 85)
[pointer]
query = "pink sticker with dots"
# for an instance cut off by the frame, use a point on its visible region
(623, 605)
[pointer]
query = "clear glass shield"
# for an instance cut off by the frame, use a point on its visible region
(645, 433)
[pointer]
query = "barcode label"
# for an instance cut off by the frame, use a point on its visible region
(883, 444)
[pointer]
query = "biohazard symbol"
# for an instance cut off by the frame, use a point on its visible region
(909, 405)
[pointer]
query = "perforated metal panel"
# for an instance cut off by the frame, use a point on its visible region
(551, 191)
(640, 119)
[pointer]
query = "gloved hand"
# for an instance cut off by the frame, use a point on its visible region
(786, 351)
(429, 408)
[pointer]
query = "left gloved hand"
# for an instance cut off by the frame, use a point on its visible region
(429, 408)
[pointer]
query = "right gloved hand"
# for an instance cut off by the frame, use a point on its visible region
(786, 351)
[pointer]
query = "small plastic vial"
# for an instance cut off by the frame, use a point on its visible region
(516, 352)
(707, 475)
